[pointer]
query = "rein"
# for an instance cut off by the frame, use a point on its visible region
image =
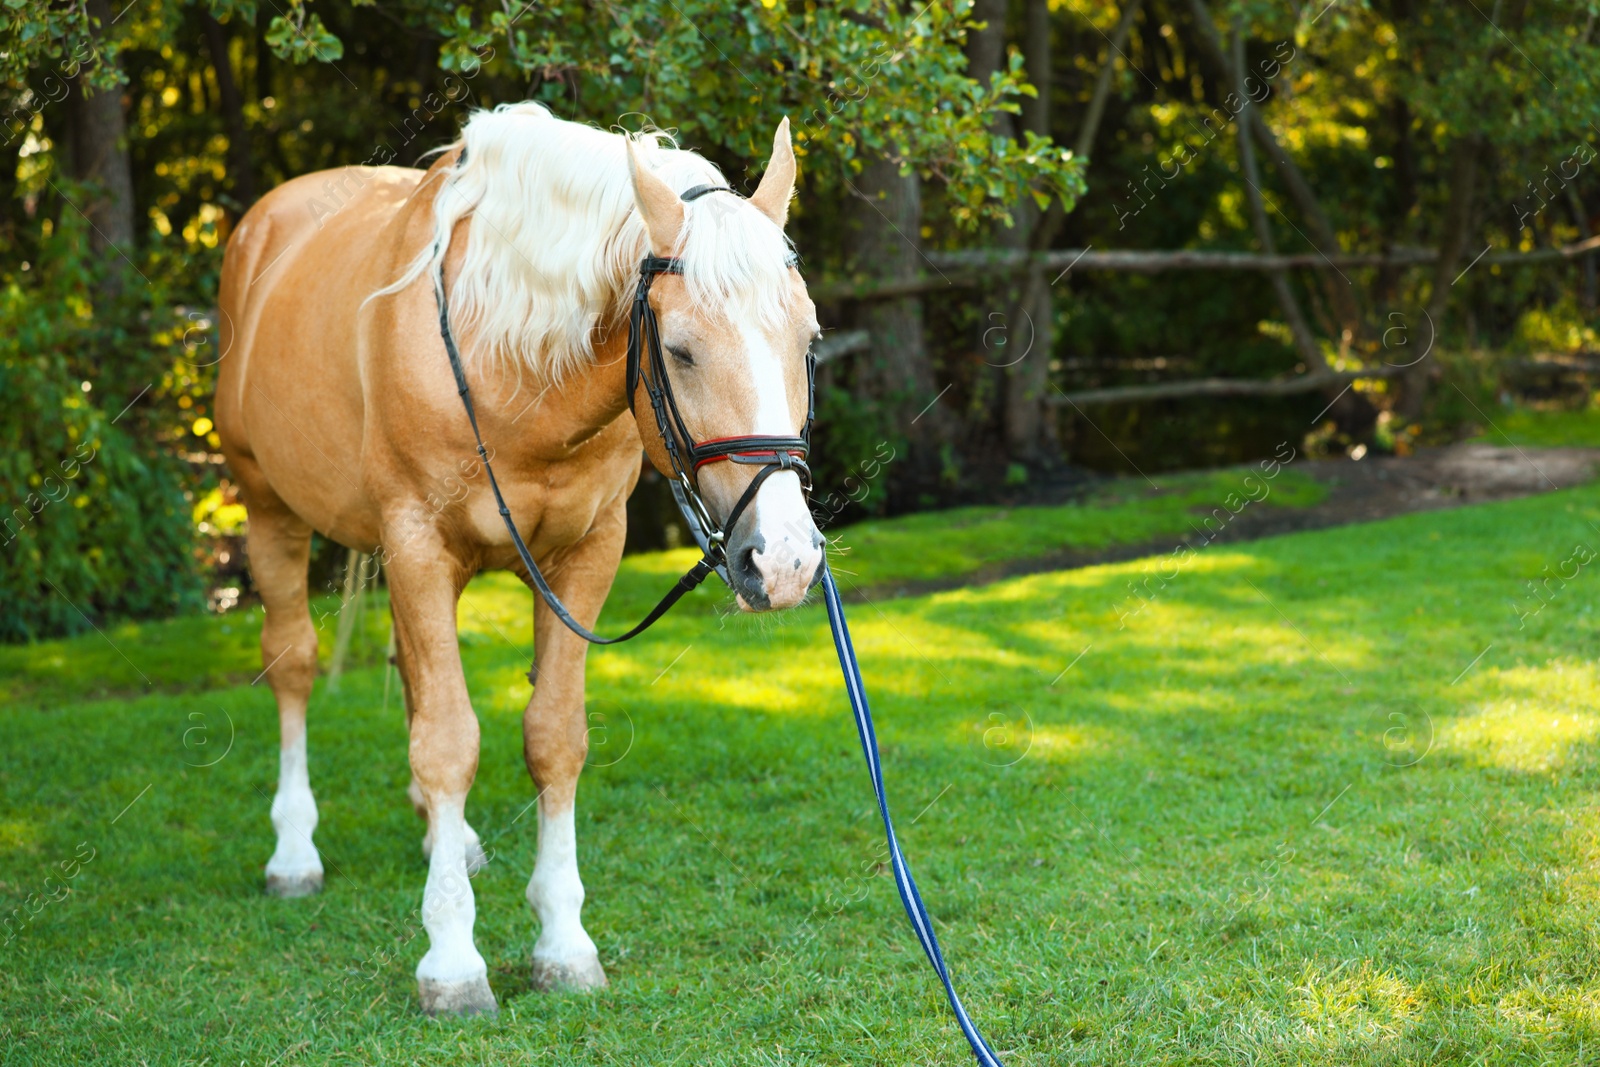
(772, 454)
(921, 922)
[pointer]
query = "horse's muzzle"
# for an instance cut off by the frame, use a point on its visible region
(777, 573)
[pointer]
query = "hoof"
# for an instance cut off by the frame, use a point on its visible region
(471, 997)
(580, 975)
(286, 886)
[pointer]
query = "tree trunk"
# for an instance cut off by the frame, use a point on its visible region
(241, 165)
(1404, 199)
(1084, 146)
(1030, 429)
(1032, 432)
(1353, 412)
(1304, 342)
(263, 65)
(99, 155)
(986, 47)
(1340, 295)
(885, 242)
(1590, 293)
(1041, 72)
(1446, 270)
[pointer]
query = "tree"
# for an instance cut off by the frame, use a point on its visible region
(97, 146)
(152, 130)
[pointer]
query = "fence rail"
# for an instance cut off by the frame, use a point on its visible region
(977, 267)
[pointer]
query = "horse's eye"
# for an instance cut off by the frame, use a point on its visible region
(681, 355)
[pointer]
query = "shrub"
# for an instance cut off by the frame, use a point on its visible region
(93, 516)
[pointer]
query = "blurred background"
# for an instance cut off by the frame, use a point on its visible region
(1052, 240)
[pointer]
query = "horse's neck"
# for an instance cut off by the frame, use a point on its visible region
(596, 395)
(557, 417)
(544, 417)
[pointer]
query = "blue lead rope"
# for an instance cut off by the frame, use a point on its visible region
(915, 911)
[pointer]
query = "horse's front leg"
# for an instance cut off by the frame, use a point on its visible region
(555, 743)
(477, 859)
(425, 582)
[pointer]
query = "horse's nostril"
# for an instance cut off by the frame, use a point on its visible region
(747, 578)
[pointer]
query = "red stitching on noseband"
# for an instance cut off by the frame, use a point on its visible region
(730, 452)
(773, 452)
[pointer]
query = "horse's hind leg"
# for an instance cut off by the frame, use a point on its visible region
(279, 549)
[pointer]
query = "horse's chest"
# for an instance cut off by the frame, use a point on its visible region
(553, 508)
(569, 511)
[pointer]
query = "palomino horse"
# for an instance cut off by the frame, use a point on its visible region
(339, 413)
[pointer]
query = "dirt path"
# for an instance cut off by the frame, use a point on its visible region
(1358, 491)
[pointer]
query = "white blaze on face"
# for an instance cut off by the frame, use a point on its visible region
(791, 548)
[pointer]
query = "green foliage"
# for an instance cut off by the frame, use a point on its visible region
(52, 43)
(851, 474)
(723, 76)
(95, 521)
(302, 37)
(852, 75)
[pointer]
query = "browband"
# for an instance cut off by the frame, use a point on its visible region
(792, 260)
(701, 190)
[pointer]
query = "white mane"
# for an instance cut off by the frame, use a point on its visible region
(553, 253)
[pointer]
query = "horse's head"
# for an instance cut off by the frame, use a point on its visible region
(734, 328)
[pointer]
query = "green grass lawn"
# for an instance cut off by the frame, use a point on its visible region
(1545, 429)
(947, 544)
(1324, 800)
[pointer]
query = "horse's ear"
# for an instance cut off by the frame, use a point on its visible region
(659, 206)
(777, 184)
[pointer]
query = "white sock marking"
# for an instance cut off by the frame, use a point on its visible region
(556, 893)
(448, 908)
(294, 817)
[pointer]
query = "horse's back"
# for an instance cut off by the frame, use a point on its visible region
(296, 272)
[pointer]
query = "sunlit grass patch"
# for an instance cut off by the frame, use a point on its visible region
(1356, 1002)
(1543, 718)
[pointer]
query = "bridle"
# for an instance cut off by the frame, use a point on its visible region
(686, 456)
